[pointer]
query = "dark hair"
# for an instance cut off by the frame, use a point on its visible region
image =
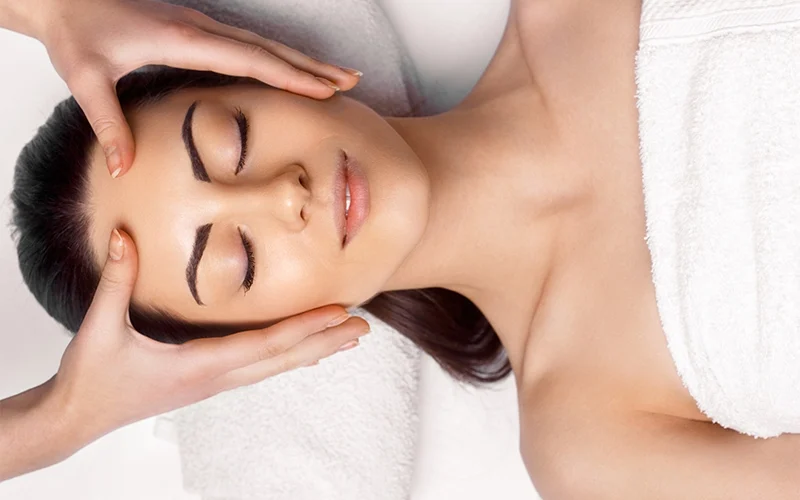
(51, 229)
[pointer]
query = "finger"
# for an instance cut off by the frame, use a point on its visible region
(315, 347)
(215, 356)
(199, 50)
(113, 295)
(97, 96)
(344, 78)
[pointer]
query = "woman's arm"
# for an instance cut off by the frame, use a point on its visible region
(643, 455)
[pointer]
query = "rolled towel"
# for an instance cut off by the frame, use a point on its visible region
(346, 428)
(343, 429)
(719, 118)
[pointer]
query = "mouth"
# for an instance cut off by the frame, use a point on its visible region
(351, 191)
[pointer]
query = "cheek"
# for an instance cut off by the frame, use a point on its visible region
(295, 280)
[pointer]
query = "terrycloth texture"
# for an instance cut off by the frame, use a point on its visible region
(346, 428)
(343, 429)
(719, 115)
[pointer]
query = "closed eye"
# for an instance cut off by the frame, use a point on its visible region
(250, 275)
(244, 127)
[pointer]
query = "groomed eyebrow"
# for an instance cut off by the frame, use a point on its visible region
(198, 168)
(200, 241)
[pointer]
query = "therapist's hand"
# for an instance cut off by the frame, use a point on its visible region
(94, 43)
(111, 376)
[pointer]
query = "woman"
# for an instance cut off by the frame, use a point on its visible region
(92, 395)
(521, 199)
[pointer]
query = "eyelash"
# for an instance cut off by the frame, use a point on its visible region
(244, 128)
(251, 264)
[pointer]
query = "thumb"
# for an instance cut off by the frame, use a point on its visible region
(97, 96)
(113, 295)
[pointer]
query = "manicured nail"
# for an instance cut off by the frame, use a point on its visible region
(338, 321)
(116, 247)
(352, 71)
(113, 159)
(328, 83)
(349, 345)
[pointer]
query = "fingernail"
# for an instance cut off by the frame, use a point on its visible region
(328, 83)
(113, 159)
(352, 71)
(116, 247)
(338, 321)
(311, 364)
(349, 345)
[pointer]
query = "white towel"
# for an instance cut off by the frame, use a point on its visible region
(719, 119)
(346, 428)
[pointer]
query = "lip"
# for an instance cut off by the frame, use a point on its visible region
(359, 199)
(349, 173)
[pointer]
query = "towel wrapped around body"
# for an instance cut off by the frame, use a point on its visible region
(718, 94)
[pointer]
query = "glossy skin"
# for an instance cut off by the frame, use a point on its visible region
(603, 412)
(110, 375)
(527, 199)
(282, 200)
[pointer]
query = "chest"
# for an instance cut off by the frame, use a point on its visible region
(599, 330)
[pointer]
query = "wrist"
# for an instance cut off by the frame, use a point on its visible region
(28, 17)
(60, 413)
(33, 434)
(74, 427)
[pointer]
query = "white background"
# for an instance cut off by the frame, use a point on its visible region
(450, 41)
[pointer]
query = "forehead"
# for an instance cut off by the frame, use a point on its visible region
(160, 203)
(149, 201)
(156, 201)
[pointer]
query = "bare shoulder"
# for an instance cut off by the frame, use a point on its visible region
(574, 23)
(579, 49)
(563, 49)
(578, 447)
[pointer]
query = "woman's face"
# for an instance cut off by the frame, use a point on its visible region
(193, 221)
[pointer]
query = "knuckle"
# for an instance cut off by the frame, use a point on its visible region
(187, 377)
(104, 125)
(182, 31)
(257, 51)
(316, 62)
(189, 370)
(108, 284)
(286, 364)
(293, 74)
(270, 44)
(193, 15)
(269, 350)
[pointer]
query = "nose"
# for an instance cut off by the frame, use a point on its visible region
(285, 197)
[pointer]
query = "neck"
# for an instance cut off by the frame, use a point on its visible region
(493, 221)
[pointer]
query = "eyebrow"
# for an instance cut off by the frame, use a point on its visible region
(200, 241)
(198, 168)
